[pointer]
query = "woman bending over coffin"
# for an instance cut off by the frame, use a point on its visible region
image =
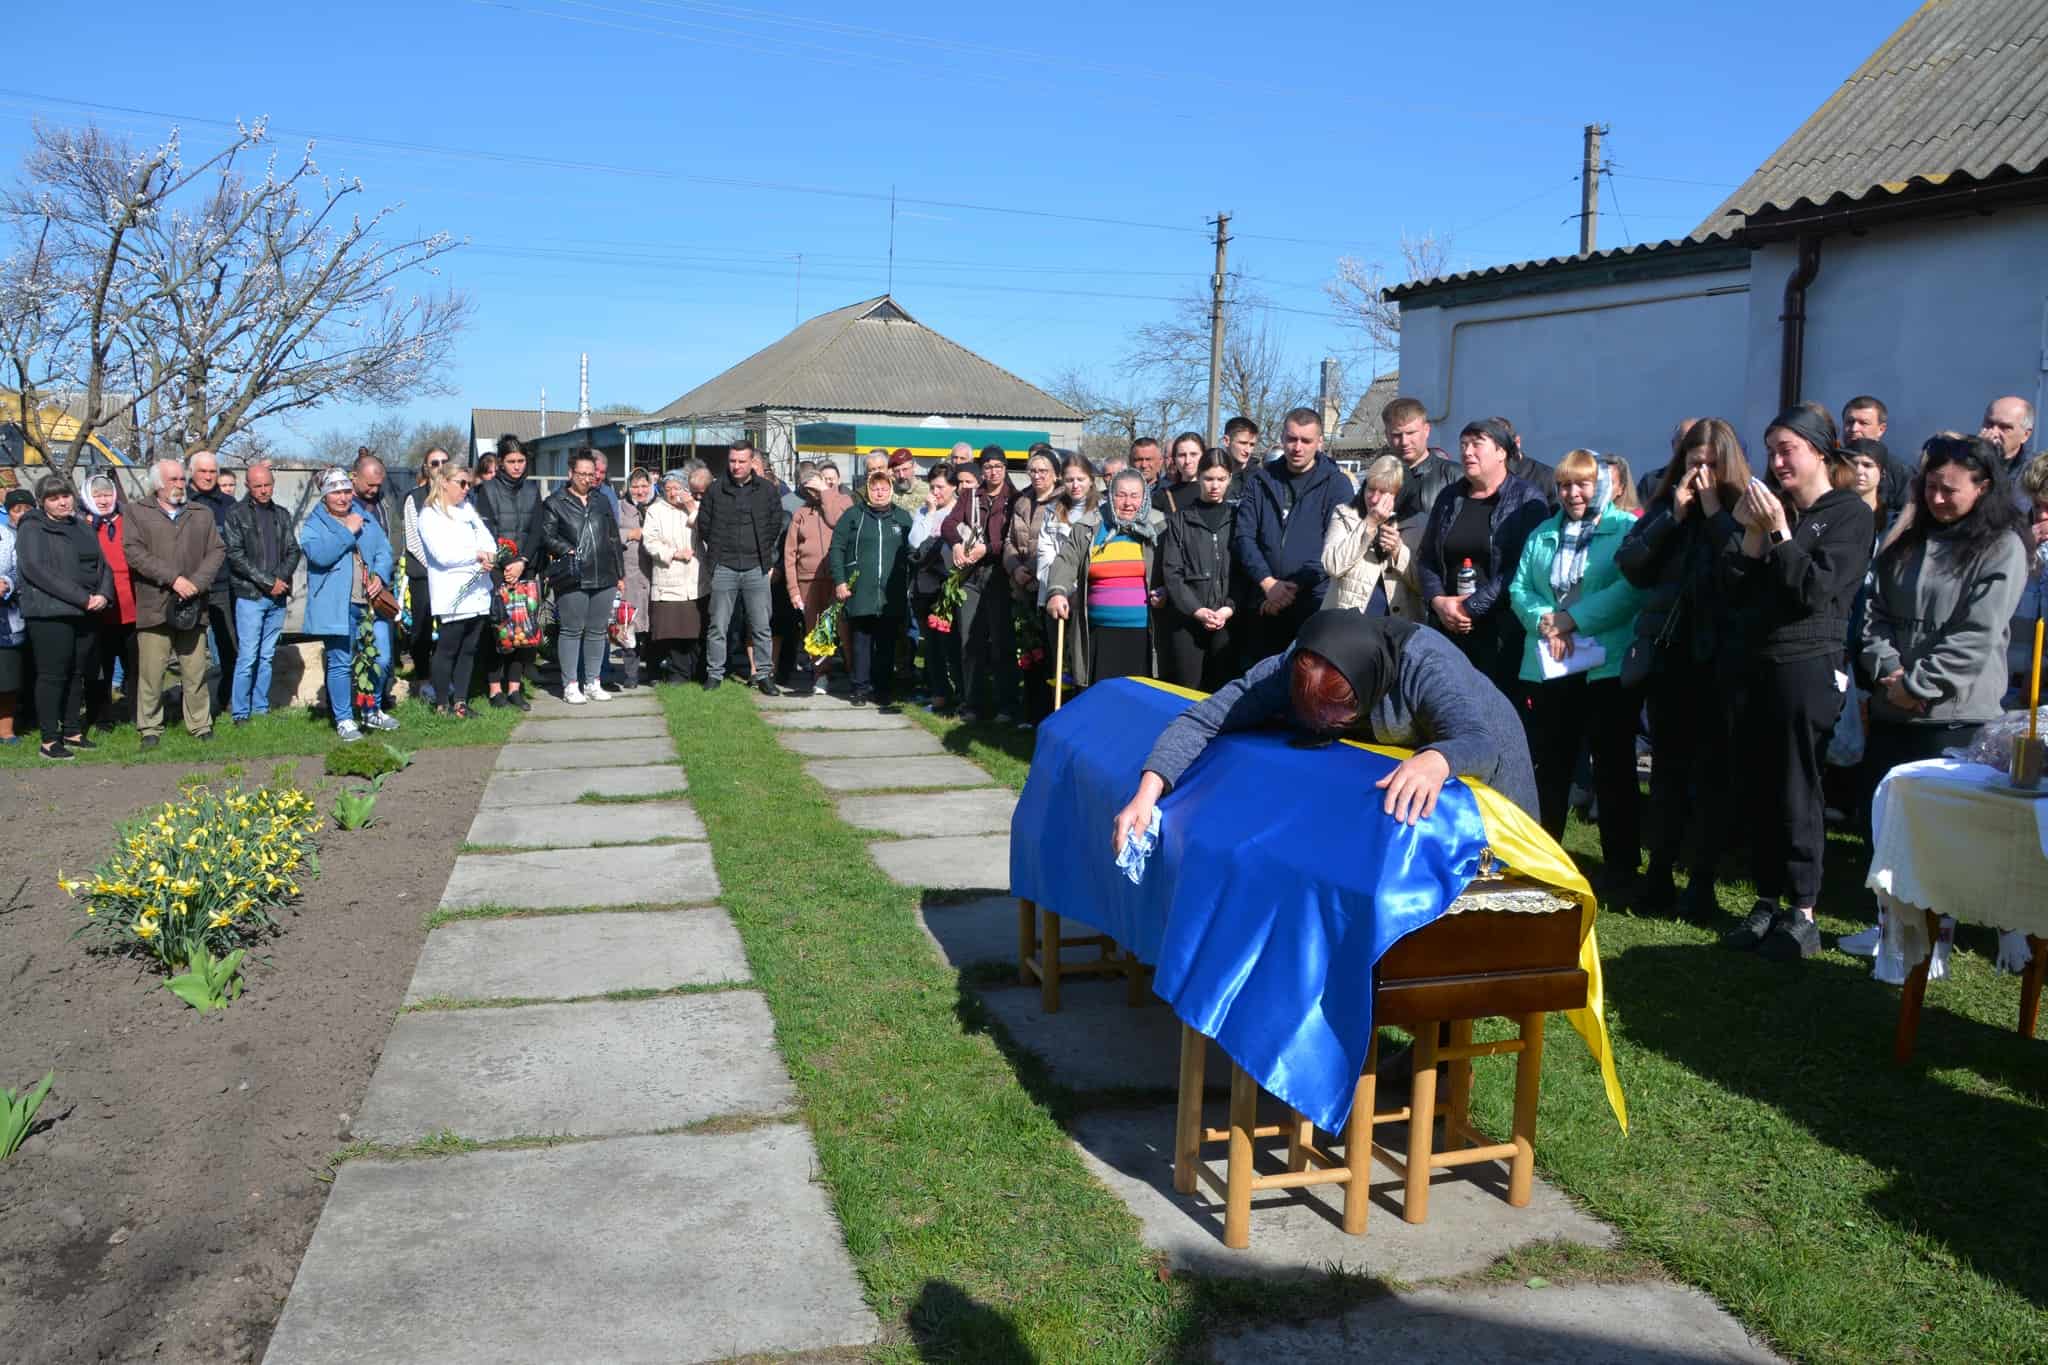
(1352, 675)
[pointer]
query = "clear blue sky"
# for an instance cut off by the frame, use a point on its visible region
(605, 157)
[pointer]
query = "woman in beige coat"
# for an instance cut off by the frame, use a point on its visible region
(679, 584)
(1363, 553)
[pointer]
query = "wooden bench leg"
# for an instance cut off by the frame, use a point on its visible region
(1301, 1136)
(1187, 1119)
(2030, 986)
(1912, 996)
(1528, 1080)
(1458, 1115)
(1134, 980)
(1027, 939)
(1237, 1198)
(1358, 1142)
(1049, 963)
(1421, 1122)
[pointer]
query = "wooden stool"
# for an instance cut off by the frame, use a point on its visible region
(1039, 958)
(1915, 992)
(1526, 966)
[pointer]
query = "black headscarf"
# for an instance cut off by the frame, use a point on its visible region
(1365, 648)
(1817, 429)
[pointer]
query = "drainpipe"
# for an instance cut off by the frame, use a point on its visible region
(1792, 360)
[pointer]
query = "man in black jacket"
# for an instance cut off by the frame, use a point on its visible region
(509, 503)
(740, 520)
(204, 470)
(1425, 470)
(263, 553)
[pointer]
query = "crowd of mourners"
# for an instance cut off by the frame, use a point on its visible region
(1734, 616)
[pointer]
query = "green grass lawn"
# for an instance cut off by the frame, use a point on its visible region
(1845, 1209)
(280, 734)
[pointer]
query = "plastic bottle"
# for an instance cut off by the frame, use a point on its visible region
(1468, 579)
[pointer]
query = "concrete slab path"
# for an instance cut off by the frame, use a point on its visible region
(556, 786)
(649, 725)
(967, 862)
(561, 957)
(911, 814)
(863, 718)
(889, 774)
(556, 879)
(642, 1249)
(861, 743)
(966, 932)
(577, 1070)
(582, 825)
(547, 706)
(584, 753)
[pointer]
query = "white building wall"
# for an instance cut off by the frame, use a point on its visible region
(1935, 318)
(1610, 367)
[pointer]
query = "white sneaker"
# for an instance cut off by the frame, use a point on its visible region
(1863, 944)
(378, 720)
(572, 694)
(347, 731)
(595, 692)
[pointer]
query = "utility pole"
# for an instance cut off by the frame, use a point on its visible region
(1589, 192)
(1216, 328)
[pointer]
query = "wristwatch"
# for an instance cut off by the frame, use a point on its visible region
(1779, 537)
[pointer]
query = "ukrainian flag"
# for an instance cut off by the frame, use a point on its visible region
(1277, 883)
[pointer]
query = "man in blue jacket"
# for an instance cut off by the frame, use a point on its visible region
(1287, 506)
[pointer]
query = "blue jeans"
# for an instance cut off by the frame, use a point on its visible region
(387, 652)
(258, 623)
(339, 652)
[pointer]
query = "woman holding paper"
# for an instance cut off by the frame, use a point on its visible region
(1579, 615)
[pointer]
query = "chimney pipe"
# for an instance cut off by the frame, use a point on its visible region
(583, 393)
(543, 409)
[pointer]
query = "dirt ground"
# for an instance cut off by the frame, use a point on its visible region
(163, 1213)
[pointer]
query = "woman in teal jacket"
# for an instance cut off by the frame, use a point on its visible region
(870, 566)
(1580, 614)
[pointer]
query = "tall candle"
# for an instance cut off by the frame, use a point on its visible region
(2034, 683)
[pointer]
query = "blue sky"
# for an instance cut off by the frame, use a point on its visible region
(625, 169)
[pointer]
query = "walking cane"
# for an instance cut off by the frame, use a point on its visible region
(1059, 660)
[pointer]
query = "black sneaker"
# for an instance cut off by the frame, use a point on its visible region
(498, 700)
(519, 700)
(811, 691)
(767, 688)
(1793, 938)
(1754, 929)
(150, 742)
(858, 699)
(56, 752)
(890, 708)
(79, 742)
(1659, 894)
(238, 721)
(206, 738)
(713, 684)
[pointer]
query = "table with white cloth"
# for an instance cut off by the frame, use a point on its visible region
(1945, 841)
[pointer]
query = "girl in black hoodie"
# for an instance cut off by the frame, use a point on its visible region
(1198, 647)
(1802, 557)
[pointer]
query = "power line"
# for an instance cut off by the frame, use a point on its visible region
(1668, 180)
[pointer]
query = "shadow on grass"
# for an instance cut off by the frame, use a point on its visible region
(1813, 1041)
(949, 1324)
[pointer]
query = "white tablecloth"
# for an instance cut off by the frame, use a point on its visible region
(1944, 842)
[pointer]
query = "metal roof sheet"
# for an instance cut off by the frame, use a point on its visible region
(491, 423)
(871, 356)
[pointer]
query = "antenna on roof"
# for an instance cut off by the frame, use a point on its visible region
(543, 409)
(583, 393)
(891, 290)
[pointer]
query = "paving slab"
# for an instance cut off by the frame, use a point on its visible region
(678, 1248)
(1300, 1231)
(967, 932)
(640, 702)
(582, 826)
(1647, 1323)
(564, 879)
(862, 718)
(585, 1070)
(965, 862)
(885, 774)
(604, 725)
(1096, 1041)
(909, 814)
(861, 743)
(584, 753)
(560, 956)
(817, 701)
(555, 786)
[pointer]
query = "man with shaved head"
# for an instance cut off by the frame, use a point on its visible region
(203, 474)
(174, 555)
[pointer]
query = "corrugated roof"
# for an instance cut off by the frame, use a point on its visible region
(871, 356)
(1961, 87)
(1362, 430)
(491, 423)
(1620, 254)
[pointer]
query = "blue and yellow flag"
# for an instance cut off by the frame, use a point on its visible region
(1277, 884)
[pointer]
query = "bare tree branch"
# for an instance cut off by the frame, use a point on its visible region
(1355, 288)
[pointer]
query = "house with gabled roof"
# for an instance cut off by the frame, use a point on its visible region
(1896, 244)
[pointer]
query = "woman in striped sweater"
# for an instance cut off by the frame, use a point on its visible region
(1110, 557)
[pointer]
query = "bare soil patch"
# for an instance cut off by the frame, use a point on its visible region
(163, 1211)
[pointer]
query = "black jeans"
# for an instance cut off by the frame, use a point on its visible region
(874, 655)
(454, 657)
(1192, 655)
(941, 653)
(988, 646)
(1567, 714)
(1784, 727)
(505, 666)
(112, 643)
(1692, 741)
(420, 643)
(63, 646)
(220, 619)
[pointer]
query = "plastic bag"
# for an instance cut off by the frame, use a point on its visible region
(1845, 745)
(1993, 744)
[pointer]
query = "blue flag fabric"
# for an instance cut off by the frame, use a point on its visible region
(1277, 885)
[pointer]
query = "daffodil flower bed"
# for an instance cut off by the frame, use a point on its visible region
(209, 870)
